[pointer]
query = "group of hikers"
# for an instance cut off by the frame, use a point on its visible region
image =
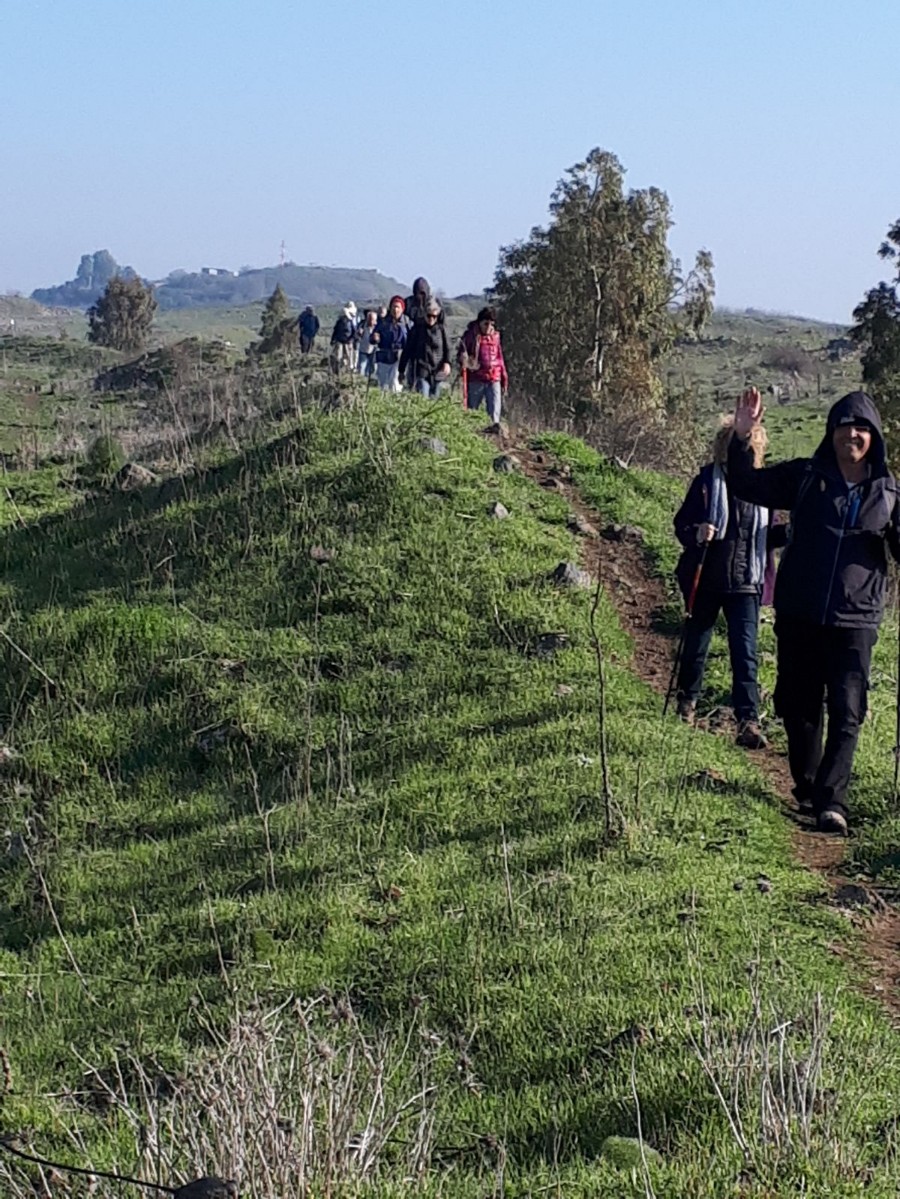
(828, 594)
(405, 344)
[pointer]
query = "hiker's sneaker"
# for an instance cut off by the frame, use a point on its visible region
(687, 711)
(832, 821)
(750, 735)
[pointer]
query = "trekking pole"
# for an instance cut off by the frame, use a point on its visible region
(897, 729)
(692, 595)
(464, 384)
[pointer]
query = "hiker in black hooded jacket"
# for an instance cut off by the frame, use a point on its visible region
(830, 587)
(427, 351)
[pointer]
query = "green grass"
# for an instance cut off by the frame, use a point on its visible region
(242, 775)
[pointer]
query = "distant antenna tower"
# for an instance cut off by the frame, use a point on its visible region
(282, 251)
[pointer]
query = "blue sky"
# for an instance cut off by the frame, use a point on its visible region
(420, 138)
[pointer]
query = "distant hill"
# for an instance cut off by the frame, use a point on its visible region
(93, 273)
(219, 287)
(303, 284)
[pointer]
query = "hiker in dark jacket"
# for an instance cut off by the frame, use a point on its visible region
(309, 327)
(830, 588)
(343, 340)
(389, 339)
(416, 305)
(734, 535)
(427, 353)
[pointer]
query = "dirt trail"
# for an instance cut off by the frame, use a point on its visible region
(639, 598)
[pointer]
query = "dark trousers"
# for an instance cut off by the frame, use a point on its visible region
(742, 618)
(817, 666)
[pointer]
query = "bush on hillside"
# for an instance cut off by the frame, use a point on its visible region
(791, 359)
(104, 457)
(167, 368)
(123, 315)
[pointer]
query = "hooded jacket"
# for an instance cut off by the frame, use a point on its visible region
(833, 570)
(428, 350)
(309, 323)
(415, 311)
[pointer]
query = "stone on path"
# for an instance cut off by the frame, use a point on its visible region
(567, 574)
(433, 445)
(506, 464)
(498, 511)
(622, 533)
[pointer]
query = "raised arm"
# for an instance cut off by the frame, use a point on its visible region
(769, 486)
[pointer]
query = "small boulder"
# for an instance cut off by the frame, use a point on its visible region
(567, 574)
(433, 445)
(579, 525)
(498, 511)
(132, 477)
(632, 533)
(506, 464)
(548, 644)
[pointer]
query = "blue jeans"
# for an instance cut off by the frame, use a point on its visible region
(424, 388)
(742, 618)
(488, 394)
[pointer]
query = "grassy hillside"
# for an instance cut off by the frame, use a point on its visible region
(305, 832)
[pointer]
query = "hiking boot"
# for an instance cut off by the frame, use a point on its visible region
(803, 796)
(750, 735)
(832, 821)
(687, 711)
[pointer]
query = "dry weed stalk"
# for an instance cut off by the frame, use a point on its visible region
(770, 1079)
(293, 1101)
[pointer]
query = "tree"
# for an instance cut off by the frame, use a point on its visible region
(877, 331)
(123, 315)
(589, 303)
(276, 311)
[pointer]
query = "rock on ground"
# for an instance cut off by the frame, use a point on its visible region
(567, 574)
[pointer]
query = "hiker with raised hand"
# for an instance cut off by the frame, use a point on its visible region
(830, 587)
(309, 327)
(390, 340)
(481, 357)
(728, 537)
(427, 353)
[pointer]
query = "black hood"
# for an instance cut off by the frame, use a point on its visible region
(858, 408)
(421, 284)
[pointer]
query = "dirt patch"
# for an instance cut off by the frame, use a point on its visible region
(639, 598)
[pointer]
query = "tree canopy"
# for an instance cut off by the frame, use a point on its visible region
(589, 303)
(122, 317)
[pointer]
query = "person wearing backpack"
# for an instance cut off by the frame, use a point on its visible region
(830, 587)
(427, 353)
(309, 327)
(729, 537)
(481, 356)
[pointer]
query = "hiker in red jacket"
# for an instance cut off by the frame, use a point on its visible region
(481, 355)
